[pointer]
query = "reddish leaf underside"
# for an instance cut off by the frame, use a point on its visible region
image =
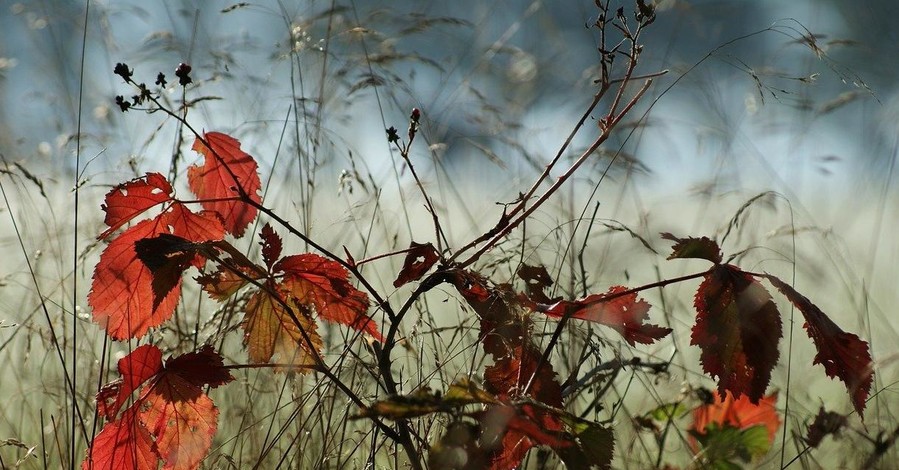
(701, 248)
(623, 313)
(125, 443)
(843, 355)
(171, 419)
(738, 329)
(272, 335)
(215, 180)
(324, 284)
(419, 259)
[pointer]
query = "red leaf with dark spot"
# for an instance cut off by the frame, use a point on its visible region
(167, 257)
(623, 313)
(215, 181)
(122, 294)
(171, 419)
(842, 354)
(419, 259)
(738, 328)
(701, 248)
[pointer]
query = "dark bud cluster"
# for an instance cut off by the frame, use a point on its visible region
(392, 135)
(123, 71)
(183, 74)
(160, 79)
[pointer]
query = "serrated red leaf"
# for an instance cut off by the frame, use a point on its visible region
(182, 419)
(215, 183)
(324, 284)
(197, 227)
(167, 257)
(121, 295)
(625, 314)
(170, 420)
(136, 368)
(690, 247)
(519, 429)
(738, 328)
(272, 335)
(843, 355)
(271, 245)
(419, 259)
(125, 443)
(128, 200)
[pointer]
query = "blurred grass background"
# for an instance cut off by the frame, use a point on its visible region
(804, 113)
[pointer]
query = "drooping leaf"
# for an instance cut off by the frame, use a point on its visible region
(738, 329)
(271, 335)
(419, 259)
(701, 248)
(226, 168)
(122, 295)
(324, 285)
(514, 430)
(422, 402)
(843, 355)
(128, 200)
(171, 419)
(595, 446)
(537, 280)
(826, 422)
(623, 313)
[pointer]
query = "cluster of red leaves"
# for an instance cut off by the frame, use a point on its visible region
(520, 373)
(279, 324)
(137, 285)
(122, 294)
(170, 420)
(738, 328)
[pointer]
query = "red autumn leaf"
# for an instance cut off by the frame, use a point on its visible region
(826, 422)
(128, 200)
(623, 313)
(272, 335)
(514, 430)
(136, 368)
(740, 413)
(171, 419)
(122, 294)
(215, 181)
(271, 245)
(419, 259)
(318, 282)
(702, 248)
(194, 226)
(842, 354)
(738, 328)
(125, 443)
